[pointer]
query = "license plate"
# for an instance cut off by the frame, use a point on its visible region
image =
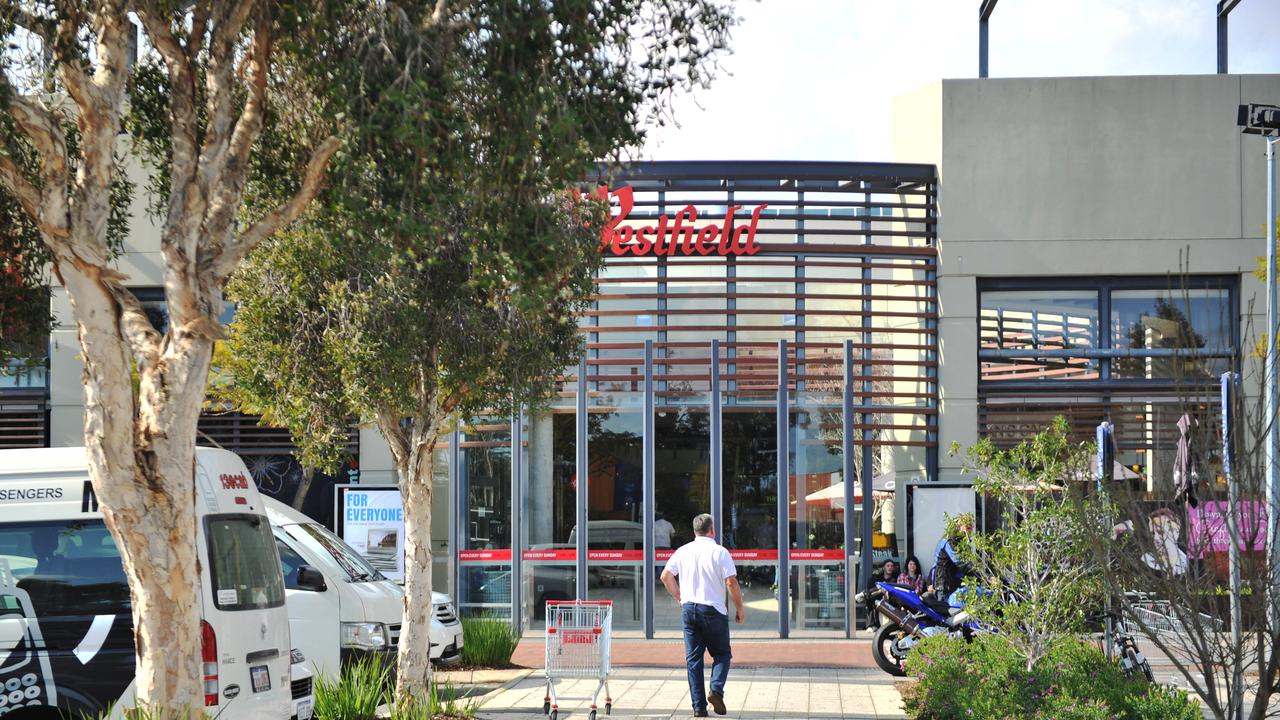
(261, 677)
(304, 710)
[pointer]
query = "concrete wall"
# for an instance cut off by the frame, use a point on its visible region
(1080, 176)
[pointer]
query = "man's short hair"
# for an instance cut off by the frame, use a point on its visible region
(703, 524)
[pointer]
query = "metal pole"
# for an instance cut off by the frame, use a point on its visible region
(1105, 459)
(647, 460)
(852, 583)
(1272, 445)
(457, 511)
(517, 522)
(982, 48)
(1233, 553)
(580, 468)
(784, 492)
(717, 447)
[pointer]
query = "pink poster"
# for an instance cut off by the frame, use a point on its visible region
(1207, 532)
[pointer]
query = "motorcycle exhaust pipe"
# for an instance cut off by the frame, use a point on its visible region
(898, 617)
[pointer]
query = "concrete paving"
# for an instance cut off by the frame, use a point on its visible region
(752, 692)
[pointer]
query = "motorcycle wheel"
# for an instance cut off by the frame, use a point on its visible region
(881, 649)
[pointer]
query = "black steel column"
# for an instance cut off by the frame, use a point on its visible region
(580, 468)
(852, 584)
(984, 14)
(868, 465)
(717, 461)
(1224, 9)
(457, 513)
(784, 485)
(517, 522)
(649, 499)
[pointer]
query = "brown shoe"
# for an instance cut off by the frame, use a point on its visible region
(717, 702)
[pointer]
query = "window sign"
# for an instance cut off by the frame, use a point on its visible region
(371, 520)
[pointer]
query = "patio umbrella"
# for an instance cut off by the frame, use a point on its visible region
(1184, 475)
(835, 493)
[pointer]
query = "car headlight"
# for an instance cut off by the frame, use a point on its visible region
(295, 657)
(365, 636)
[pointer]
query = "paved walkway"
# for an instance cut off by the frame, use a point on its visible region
(753, 692)
(804, 652)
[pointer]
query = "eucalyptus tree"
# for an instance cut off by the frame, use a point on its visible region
(441, 274)
(72, 89)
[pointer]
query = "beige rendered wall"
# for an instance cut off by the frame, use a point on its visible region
(1080, 176)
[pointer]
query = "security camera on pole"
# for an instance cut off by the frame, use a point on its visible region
(1255, 119)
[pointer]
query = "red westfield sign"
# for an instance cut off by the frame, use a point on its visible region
(679, 236)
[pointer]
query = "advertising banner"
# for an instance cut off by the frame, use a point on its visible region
(371, 520)
(1207, 531)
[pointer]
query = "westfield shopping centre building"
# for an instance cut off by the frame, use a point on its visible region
(793, 347)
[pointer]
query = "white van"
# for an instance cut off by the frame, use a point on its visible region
(66, 632)
(340, 607)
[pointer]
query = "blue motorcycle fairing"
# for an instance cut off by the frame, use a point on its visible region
(909, 599)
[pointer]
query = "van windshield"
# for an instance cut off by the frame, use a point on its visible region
(243, 563)
(358, 569)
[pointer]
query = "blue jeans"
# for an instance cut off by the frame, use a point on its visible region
(705, 630)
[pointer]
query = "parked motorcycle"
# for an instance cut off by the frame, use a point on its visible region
(903, 618)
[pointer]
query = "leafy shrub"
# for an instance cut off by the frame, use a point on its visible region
(1073, 681)
(356, 694)
(488, 642)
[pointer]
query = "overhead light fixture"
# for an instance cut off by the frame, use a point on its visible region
(1258, 119)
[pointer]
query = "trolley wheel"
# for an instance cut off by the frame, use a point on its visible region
(555, 714)
(592, 715)
(546, 707)
(608, 708)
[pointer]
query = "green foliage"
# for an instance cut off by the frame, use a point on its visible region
(365, 685)
(987, 679)
(356, 694)
(442, 270)
(488, 642)
(1036, 570)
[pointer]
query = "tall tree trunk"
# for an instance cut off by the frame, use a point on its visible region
(141, 462)
(413, 467)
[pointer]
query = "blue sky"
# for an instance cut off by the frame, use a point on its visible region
(815, 79)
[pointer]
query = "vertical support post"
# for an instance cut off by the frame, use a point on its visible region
(1233, 529)
(1222, 42)
(717, 440)
(581, 470)
(1272, 444)
(853, 581)
(784, 491)
(1105, 463)
(985, 8)
(517, 521)
(457, 510)
(982, 47)
(647, 460)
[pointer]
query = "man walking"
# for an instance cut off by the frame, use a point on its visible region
(699, 575)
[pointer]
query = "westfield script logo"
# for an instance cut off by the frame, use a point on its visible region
(679, 236)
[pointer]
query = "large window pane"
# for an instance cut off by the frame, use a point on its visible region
(1173, 319)
(484, 480)
(615, 491)
(549, 554)
(750, 511)
(1039, 320)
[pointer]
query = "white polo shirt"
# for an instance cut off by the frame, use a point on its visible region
(702, 566)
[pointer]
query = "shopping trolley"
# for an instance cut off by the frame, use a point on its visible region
(578, 635)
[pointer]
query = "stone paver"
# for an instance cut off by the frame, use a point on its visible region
(754, 693)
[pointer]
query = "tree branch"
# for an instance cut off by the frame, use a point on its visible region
(17, 183)
(224, 260)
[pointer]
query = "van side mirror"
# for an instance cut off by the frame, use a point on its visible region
(311, 579)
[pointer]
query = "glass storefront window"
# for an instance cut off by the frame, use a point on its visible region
(484, 556)
(1177, 319)
(1039, 320)
(816, 512)
(548, 552)
(682, 484)
(615, 495)
(750, 497)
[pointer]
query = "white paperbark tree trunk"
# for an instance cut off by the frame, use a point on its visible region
(141, 444)
(413, 448)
